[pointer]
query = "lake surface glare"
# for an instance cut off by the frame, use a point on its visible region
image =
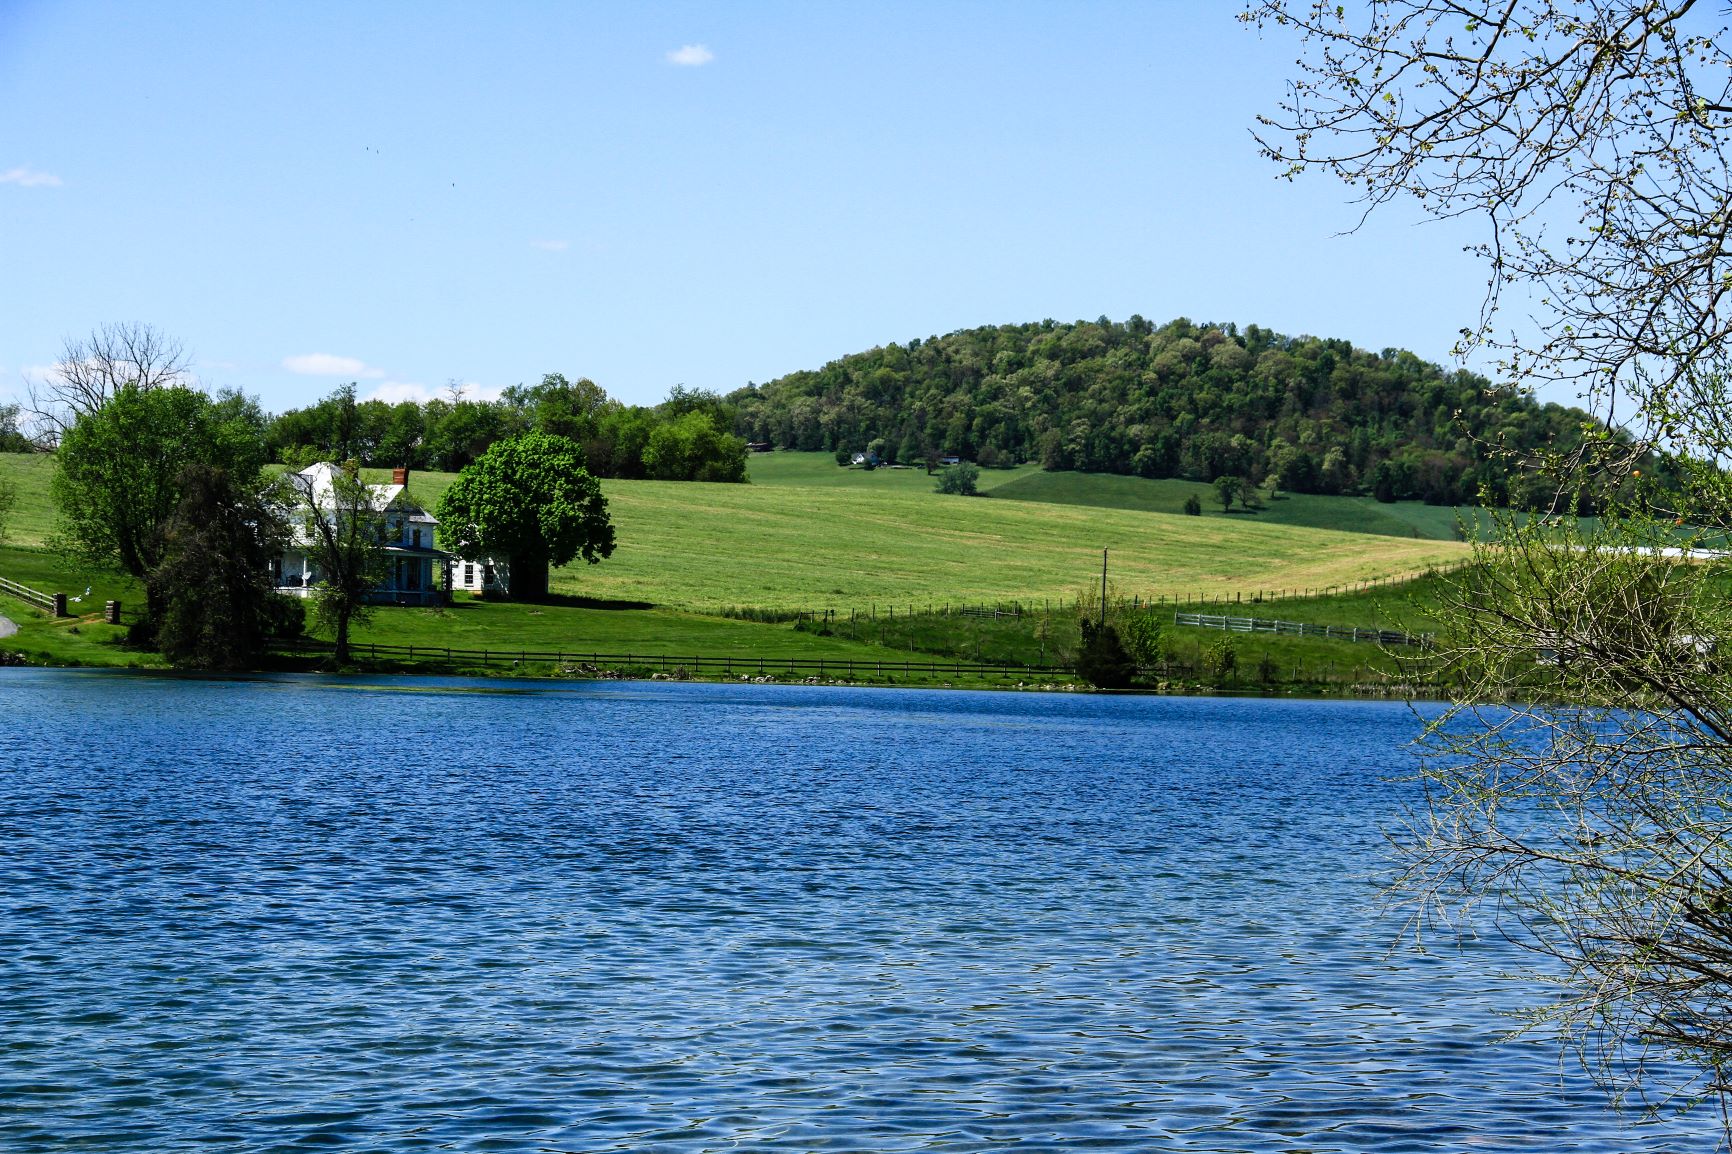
(293, 913)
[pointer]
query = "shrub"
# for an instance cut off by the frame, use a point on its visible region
(960, 479)
(1222, 659)
(1141, 634)
(1102, 660)
(1193, 507)
(286, 616)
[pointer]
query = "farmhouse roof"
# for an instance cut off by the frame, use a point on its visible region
(321, 490)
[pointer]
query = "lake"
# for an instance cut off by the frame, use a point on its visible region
(438, 914)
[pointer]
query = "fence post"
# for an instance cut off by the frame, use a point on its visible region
(60, 605)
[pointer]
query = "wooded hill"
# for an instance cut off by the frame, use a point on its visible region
(1180, 400)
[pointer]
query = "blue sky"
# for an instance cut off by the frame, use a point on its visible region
(407, 195)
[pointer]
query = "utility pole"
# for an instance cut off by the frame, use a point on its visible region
(1103, 588)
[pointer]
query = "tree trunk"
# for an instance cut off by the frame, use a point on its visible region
(527, 580)
(342, 655)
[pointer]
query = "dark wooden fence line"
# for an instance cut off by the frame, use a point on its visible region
(1302, 628)
(667, 663)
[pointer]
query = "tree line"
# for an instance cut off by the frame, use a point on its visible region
(178, 488)
(1197, 401)
(688, 437)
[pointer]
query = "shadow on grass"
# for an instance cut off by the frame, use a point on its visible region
(558, 600)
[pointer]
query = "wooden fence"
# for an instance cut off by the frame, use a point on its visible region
(43, 601)
(1302, 628)
(693, 665)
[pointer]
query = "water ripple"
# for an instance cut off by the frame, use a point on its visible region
(287, 913)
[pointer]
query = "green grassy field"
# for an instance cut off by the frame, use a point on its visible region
(1347, 514)
(784, 544)
(1043, 636)
(819, 470)
(810, 535)
(77, 640)
(1138, 494)
(475, 624)
(32, 519)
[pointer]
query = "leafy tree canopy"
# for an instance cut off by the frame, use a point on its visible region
(692, 448)
(528, 499)
(961, 479)
(214, 581)
(119, 476)
(1176, 400)
(451, 432)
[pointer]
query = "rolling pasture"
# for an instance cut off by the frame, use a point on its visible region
(808, 534)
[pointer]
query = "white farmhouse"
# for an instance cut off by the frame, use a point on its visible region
(407, 531)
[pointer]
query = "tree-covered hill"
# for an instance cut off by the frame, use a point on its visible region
(1180, 400)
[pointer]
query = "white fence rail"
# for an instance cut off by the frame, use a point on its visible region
(1302, 628)
(42, 601)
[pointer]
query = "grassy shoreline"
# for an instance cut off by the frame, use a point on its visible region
(1031, 649)
(816, 563)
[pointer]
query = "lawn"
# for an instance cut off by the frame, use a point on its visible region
(858, 544)
(819, 470)
(860, 540)
(813, 536)
(1047, 635)
(32, 520)
(1348, 514)
(81, 639)
(700, 546)
(585, 628)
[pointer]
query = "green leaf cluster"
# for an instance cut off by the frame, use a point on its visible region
(119, 477)
(688, 437)
(1188, 400)
(531, 500)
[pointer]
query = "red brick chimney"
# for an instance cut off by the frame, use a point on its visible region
(400, 476)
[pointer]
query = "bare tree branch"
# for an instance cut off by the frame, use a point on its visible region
(91, 369)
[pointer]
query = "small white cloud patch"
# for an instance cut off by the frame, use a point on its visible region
(329, 365)
(691, 55)
(396, 392)
(551, 245)
(29, 178)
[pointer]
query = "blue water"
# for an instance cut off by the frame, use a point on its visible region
(461, 915)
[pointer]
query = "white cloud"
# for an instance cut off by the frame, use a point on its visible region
(551, 245)
(396, 392)
(29, 178)
(691, 55)
(329, 365)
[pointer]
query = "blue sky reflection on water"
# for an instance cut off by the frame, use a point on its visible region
(694, 917)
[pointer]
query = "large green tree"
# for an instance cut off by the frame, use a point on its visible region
(120, 469)
(531, 501)
(213, 584)
(692, 448)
